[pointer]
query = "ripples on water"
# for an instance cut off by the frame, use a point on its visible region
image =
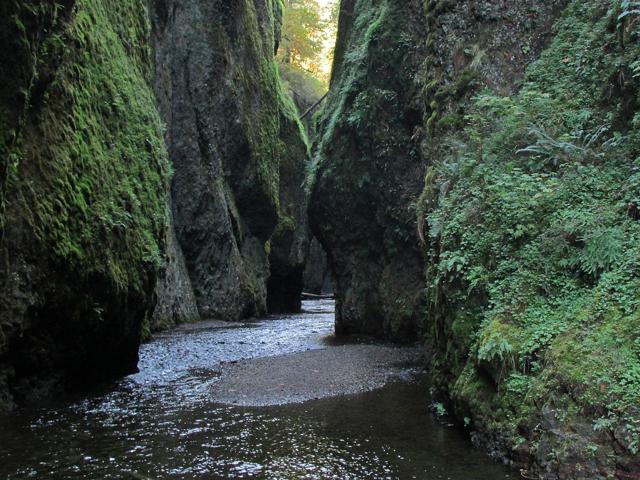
(159, 424)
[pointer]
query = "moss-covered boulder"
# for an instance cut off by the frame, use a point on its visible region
(84, 177)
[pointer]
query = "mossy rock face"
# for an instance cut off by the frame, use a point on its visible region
(366, 167)
(232, 133)
(524, 116)
(84, 191)
(532, 255)
(402, 77)
(290, 242)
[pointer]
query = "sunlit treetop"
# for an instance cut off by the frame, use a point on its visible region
(308, 35)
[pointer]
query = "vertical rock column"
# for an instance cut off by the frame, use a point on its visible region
(83, 192)
(368, 169)
(231, 134)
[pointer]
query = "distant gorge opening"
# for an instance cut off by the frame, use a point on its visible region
(305, 51)
(305, 59)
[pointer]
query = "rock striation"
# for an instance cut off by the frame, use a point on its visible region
(237, 149)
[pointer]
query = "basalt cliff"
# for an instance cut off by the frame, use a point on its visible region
(152, 171)
(475, 184)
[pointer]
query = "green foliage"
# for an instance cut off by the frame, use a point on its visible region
(303, 31)
(440, 410)
(629, 10)
(302, 86)
(531, 235)
(306, 28)
(578, 146)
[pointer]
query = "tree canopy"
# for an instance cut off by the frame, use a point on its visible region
(307, 28)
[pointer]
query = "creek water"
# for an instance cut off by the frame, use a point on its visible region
(162, 424)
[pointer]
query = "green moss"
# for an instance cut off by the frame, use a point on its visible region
(450, 121)
(263, 127)
(92, 182)
(286, 225)
(464, 82)
(534, 258)
(367, 25)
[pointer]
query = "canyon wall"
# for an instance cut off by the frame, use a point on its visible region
(84, 192)
(403, 72)
(237, 149)
(152, 174)
(475, 183)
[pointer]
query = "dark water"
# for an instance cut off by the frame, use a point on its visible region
(159, 424)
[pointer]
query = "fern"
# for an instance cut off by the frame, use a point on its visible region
(581, 145)
(629, 9)
(602, 250)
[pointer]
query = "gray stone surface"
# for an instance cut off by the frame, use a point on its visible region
(238, 155)
(176, 303)
(311, 375)
(317, 277)
(219, 94)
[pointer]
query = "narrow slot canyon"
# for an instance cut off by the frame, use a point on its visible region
(320, 239)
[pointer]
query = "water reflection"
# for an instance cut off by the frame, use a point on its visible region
(159, 424)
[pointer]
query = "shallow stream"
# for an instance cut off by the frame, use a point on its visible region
(162, 423)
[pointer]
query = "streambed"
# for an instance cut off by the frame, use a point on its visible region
(213, 401)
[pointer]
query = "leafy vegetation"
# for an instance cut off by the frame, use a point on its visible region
(304, 88)
(307, 27)
(534, 257)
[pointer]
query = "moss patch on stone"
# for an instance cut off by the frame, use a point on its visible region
(92, 175)
(84, 192)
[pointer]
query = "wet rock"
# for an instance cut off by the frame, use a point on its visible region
(403, 74)
(231, 135)
(366, 171)
(317, 277)
(289, 243)
(176, 303)
(83, 197)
